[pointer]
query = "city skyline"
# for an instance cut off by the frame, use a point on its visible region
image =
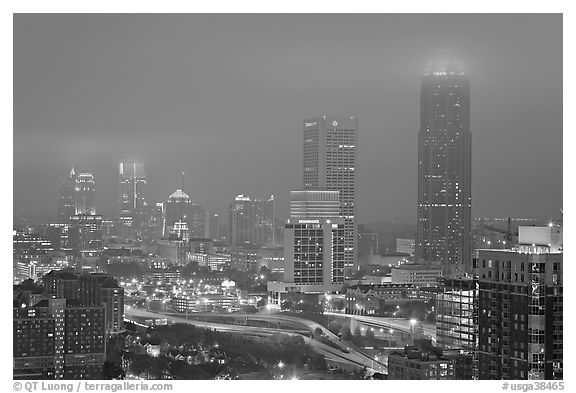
(232, 146)
(410, 228)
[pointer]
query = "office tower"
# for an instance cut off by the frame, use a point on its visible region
(314, 241)
(197, 221)
(131, 197)
(314, 203)
(66, 201)
(214, 227)
(86, 234)
(520, 325)
(330, 163)
(251, 221)
(266, 223)
(84, 193)
(444, 169)
(406, 246)
(177, 208)
(242, 221)
(314, 253)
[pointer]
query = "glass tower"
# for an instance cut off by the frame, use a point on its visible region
(444, 170)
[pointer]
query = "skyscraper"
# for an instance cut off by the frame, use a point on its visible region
(84, 193)
(444, 169)
(251, 221)
(520, 325)
(131, 196)
(66, 201)
(177, 208)
(330, 163)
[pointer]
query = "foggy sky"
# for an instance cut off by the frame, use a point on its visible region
(223, 97)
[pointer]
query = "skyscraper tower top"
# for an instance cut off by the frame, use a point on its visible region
(443, 67)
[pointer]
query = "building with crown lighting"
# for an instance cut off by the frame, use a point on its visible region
(444, 170)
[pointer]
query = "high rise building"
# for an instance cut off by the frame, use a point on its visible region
(330, 163)
(251, 221)
(177, 208)
(197, 221)
(67, 201)
(131, 197)
(314, 245)
(314, 203)
(520, 324)
(84, 193)
(90, 289)
(86, 234)
(57, 338)
(214, 227)
(444, 169)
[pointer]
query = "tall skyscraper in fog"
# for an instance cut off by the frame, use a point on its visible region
(84, 193)
(132, 203)
(444, 169)
(66, 200)
(330, 163)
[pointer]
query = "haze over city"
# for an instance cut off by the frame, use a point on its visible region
(223, 98)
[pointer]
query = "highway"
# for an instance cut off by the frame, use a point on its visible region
(400, 324)
(352, 357)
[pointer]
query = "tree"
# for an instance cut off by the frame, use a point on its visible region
(335, 327)
(369, 336)
(346, 334)
(318, 332)
(357, 338)
(112, 370)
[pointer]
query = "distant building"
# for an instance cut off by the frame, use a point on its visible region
(131, 198)
(66, 200)
(425, 362)
(251, 221)
(520, 325)
(84, 194)
(406, 246)
(177, 209)
(214, 226)
(444, 170)
(174, 249)
(371, 299)
(86, 234)
(330, 155)
(419, 275)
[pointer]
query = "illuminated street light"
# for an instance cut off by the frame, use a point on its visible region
(280, 364)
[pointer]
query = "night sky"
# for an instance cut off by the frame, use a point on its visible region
(223, 97)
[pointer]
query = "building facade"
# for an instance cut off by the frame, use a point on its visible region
(330, 163)
(131, 198)
(84, 194)
(444, 170)
(520, 325)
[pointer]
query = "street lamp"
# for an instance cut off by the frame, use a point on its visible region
(280, 364)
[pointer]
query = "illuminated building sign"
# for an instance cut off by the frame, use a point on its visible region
(308, 221)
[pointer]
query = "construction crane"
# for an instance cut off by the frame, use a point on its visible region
(508, 234)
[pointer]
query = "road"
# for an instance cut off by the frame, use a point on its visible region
(400, 324)
(353, 357)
